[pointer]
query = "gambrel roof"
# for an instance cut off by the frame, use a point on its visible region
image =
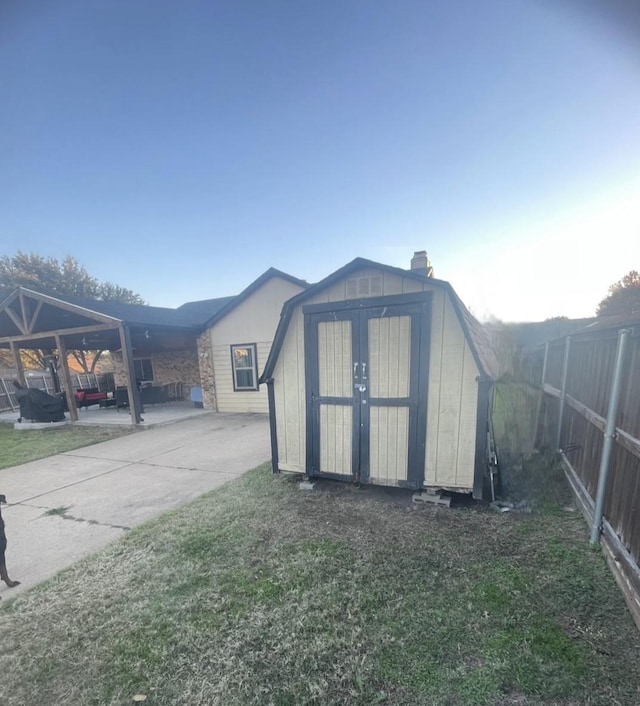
(474, 332)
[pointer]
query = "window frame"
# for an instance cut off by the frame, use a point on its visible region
(254, 368)
(140, 361)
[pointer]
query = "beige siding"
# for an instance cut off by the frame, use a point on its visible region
(389, 356)
(253, 321)
(389, 449)
(289, 391)
(335, 438)
(257, 317)
(391, 284)
(451, 411)
(230, 400)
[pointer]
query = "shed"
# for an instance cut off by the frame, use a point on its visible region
(380, 375)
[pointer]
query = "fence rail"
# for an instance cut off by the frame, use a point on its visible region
(602, 461)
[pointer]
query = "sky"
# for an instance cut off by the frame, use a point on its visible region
(182, 148)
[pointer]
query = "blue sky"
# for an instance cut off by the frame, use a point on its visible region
(182, 148)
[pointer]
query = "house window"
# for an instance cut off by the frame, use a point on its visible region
(245, 367)
(143, 368)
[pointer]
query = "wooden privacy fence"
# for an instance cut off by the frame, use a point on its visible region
(590, 412)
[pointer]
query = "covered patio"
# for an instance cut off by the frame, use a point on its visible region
(35, 321)
(152, 416)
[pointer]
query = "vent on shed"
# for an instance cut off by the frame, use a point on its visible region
(364, 287)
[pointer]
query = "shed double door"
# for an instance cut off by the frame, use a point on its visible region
(366, 393)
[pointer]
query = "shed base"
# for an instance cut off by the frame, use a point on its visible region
(429, 497)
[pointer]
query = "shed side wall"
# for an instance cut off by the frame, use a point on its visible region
(452, 402)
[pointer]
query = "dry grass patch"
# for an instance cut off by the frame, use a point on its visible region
(18, 447)
(259, 593)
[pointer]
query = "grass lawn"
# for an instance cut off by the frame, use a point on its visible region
(260, 593)
(22, 446)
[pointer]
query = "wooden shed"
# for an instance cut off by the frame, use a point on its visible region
(381, 375)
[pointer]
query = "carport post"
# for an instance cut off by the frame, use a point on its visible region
(62, 358)
(18, 360)
(127, 359)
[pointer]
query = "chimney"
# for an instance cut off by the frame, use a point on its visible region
(420, 263)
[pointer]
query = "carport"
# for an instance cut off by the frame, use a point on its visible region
(32, 320)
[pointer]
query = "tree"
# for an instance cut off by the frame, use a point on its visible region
(65, 278)
(623, 296)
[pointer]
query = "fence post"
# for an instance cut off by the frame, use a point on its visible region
(563, 388)
(609, 435)
(541, 397)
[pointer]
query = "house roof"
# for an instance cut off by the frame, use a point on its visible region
(202, 310)
(246, 293)
(475, 334)
(135, 314)
(188, 319)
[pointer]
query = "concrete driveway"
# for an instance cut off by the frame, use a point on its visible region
(100, 491)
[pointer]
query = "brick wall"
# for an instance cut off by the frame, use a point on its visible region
(175, 366)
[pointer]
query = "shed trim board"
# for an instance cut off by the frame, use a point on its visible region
(357, 369)
(485, 389)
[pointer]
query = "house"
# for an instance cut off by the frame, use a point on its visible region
(380, 375)
(236, 341)
(216, 346)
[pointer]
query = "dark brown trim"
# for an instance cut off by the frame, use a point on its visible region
(61, 304)
(368, 302)
(423, 386)
(457, 307)
(310, 379)
(15, 350)
(135, 406)
(62, 360)
(482, 429)
(273, 427)
(60, 332)
(16, 320)
(34, 318)
(23, 310)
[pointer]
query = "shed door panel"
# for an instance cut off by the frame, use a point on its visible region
(334, 359)
(333, 400)
(389, 445)
(336, 425)
(389, 347)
